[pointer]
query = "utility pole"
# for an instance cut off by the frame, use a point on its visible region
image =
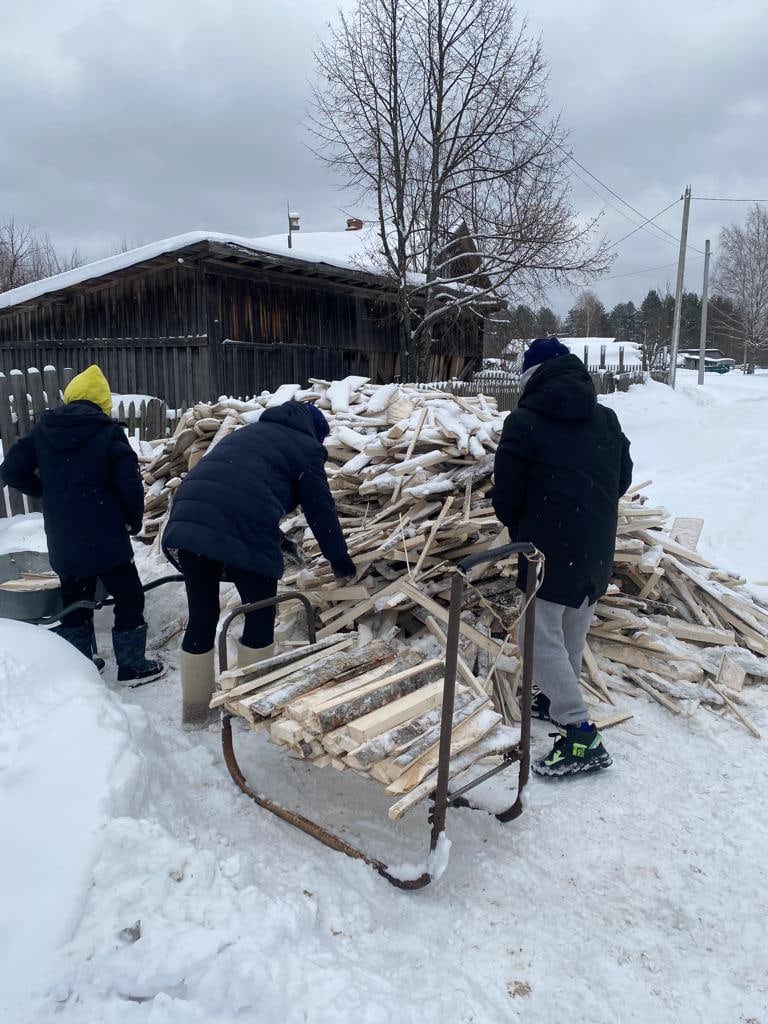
(704, 300)
(679, 289)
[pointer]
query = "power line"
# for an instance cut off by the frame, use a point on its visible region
(717, 199)
(650, 219)
(621, 213)
(602, 198)
(616, 195)
(648, 270)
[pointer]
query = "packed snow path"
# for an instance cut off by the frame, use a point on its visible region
(636, 896)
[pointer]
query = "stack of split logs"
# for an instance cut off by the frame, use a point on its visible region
(372, 709)
(410, 470)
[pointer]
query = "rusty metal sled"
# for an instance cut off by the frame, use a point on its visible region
(442, 797)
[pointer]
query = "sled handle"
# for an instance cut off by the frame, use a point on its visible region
(521, 548)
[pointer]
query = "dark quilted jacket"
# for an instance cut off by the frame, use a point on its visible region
(230, 505)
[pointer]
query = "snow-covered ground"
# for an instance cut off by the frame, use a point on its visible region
(706, 450)
(138, 885)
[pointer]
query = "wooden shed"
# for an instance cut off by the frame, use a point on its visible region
(200, 315)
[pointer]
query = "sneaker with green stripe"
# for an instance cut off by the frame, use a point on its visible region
(577, 749)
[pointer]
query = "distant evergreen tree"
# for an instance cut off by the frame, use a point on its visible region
(623, 322)
(547, 322)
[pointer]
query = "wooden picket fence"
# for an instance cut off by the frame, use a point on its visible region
(24, 397)
(505, 387)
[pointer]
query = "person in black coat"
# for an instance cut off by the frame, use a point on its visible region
(79, 462)
(561, 467)
(225, 524)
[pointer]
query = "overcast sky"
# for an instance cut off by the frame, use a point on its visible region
(149, 118)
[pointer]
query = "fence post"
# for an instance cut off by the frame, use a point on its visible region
(155, 419)
(586, 355)
(621, 359)
(602, 357)
(8, 435)
(36, 393)
(52, 389)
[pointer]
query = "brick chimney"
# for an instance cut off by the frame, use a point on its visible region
(354, 224)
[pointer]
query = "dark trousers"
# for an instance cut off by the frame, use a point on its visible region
(122, 583)
(202, 577)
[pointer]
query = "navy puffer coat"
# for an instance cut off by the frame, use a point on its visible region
(561, 466)
(79, 462)
(230, 505)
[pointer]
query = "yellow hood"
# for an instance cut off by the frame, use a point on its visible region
(90, 386)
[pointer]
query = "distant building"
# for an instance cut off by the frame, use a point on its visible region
(205, 314)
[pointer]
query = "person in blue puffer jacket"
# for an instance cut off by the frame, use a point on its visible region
(225, 525)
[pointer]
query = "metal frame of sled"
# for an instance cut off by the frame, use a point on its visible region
(443, 797)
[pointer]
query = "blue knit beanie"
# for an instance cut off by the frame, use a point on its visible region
(319, 422)
(542, 349)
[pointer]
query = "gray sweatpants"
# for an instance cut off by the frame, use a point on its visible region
(558, 645)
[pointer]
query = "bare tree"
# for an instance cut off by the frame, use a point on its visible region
(436, 111)
(28, 255)
(587, 318)
(742, 276)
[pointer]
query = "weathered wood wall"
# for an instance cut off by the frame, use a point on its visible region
(195, 329)
(146, 330)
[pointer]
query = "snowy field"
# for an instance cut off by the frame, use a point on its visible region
(138, 885)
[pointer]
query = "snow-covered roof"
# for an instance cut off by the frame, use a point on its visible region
(348, 250)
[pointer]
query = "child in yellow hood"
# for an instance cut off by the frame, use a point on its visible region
(79, 462)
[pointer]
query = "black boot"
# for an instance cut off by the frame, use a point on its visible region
(81, 638)
(133, 668)
(577, 749)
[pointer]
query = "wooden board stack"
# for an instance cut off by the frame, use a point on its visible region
(370, 709)
(410, 470)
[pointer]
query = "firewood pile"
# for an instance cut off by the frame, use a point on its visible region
(410, 470)
(372, 709)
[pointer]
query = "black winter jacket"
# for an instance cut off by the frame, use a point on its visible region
(230, 505)
(562, 464)
(79, 462)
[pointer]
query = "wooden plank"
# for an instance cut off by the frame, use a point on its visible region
(674, 549)
(432, 534)
(335, 666)
(52, 387)
(611, 720)
(731, 674)
(385, 744)
(636, 657)
(686, 530)
(741, 717)
(499, 740)
(290, 662)
(464, 671)
(441, 613)
(392, 768)
(328, 694)
(699, 634)
(465, 735)
(363, 729)
(360, 704)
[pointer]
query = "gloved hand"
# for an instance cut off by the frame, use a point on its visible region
(344, 569)
(291, 551)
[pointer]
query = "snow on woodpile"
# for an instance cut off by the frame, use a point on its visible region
(410, 471)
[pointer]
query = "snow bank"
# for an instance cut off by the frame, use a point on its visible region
(22, 533)
(706, 451)
(632, 354)
(67, 763)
